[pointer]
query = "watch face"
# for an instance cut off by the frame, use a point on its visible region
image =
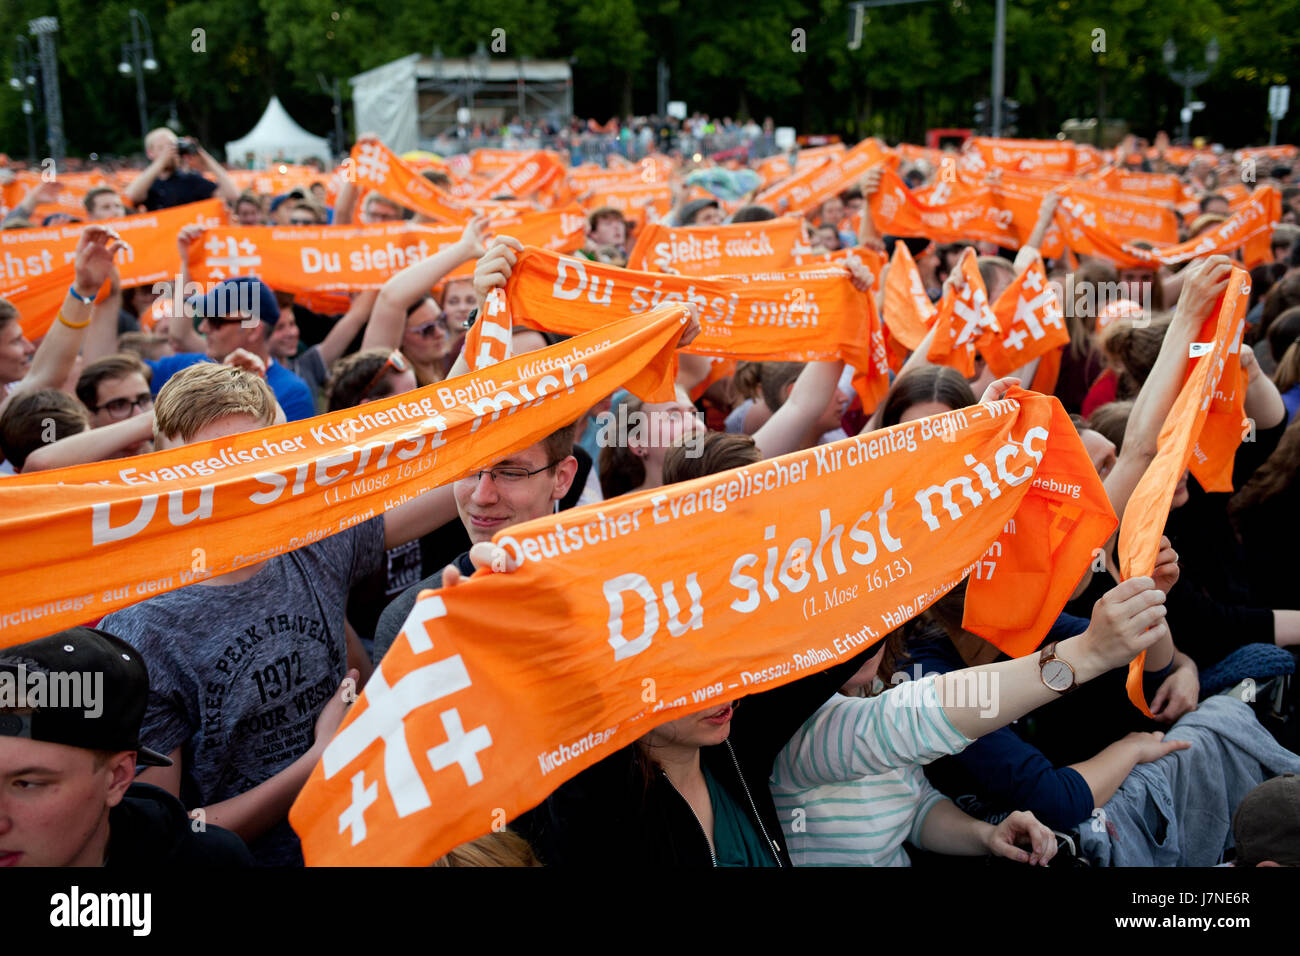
(1057, 675)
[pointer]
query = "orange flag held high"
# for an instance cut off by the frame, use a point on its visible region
(1186, 427)
(489, 339)
(909, 313)
(499, 690)
(373, 165)
(1030, 321)
(112, 533)
(719, 250)
(810, 188)
(352, 258)
(955, 212)
(36, 265)
(534, 172)
(316, 258)
(964, 320)
(1249, 228)
(804, 316)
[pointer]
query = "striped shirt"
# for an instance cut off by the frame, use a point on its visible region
(849, 787)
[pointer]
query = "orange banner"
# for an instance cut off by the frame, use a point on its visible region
(792, 316)
(717, 250)
(813, 557)
(640, 203)
(373, 165)
(809, 187)
(489, 339)
(1020, 155)
(1250, 229)
(909, 313)
(37, 264)
(532, 173)
(963, 321)
(813, 186)
(113, 533)
(955, 212)
(1030, 322)
(351, 258)
(1182, 432)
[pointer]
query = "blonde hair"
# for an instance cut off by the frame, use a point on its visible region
(196, 396)
(501, 848)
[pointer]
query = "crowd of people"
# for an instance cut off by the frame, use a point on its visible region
(876, 760)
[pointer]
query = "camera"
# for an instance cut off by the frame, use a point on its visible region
(185, 146)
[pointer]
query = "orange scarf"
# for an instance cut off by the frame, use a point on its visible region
(719, 250)
(789, 316)
(113, 533)
(1205, 421)
(499, 690)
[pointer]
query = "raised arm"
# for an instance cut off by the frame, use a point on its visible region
(349, 324)
(868, 235)
(388, 320)
(790, 426)
(94, 444)
(53, 360)
(226, 187)
(1159, 391)
(40, 193)
(101, 337)
(138, 189)
(180, 330)
(1030, 250)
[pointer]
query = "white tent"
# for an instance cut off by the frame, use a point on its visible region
(277, 138)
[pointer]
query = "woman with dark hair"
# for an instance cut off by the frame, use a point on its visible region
(921, 392)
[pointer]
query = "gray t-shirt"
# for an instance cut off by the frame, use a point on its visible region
(239, 673)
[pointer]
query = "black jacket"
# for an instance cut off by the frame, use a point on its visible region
(151, 829)
(616, 812)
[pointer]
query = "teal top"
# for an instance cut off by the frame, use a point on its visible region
(735, 841)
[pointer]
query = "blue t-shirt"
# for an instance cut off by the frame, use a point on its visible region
(291, 392)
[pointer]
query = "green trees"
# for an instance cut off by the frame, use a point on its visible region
(919, 65)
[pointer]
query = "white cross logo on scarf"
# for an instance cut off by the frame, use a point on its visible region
(232, 259)
(373, 164)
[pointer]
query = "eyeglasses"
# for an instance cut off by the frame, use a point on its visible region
(302, 222)
(395, 361)
(508, 474)
(119, 408)
(429, 329)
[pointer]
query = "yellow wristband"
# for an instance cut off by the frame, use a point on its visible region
(69, 324)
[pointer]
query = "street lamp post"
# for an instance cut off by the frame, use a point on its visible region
(44, 29)
(24, 81)
(1188, 78)
(137, 58)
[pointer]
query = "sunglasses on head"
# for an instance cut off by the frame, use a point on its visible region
(395, 361)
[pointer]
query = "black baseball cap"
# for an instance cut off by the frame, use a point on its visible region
(1266, 825)
(104, 680)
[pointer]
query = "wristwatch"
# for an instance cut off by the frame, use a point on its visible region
(1057, 674)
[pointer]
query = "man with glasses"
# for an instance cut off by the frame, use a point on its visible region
(526, 485)
(114, 389)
